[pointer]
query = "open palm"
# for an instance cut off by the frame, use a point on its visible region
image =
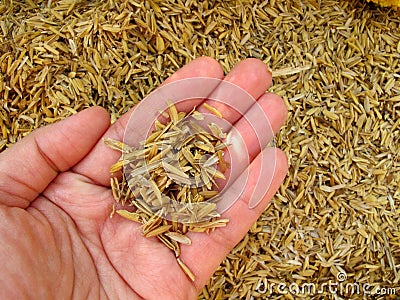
(57, 240)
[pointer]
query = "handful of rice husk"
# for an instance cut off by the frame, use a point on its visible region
(169, 183)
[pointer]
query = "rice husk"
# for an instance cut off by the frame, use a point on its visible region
(335, 64)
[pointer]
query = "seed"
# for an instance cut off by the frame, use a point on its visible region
(173, 114)
(185, 269)
(171, 169)
(158, 230)
(129, 215)
(180, 238)
(171, 244)
(117, 145)
(115, 189)
(217, 131)
(213, 110)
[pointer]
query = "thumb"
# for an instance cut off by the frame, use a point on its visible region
(30, 165)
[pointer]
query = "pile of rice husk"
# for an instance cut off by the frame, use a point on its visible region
(336, 64)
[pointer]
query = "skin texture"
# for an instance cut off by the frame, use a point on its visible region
(57, 240)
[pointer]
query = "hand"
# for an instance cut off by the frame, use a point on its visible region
(57, 239)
